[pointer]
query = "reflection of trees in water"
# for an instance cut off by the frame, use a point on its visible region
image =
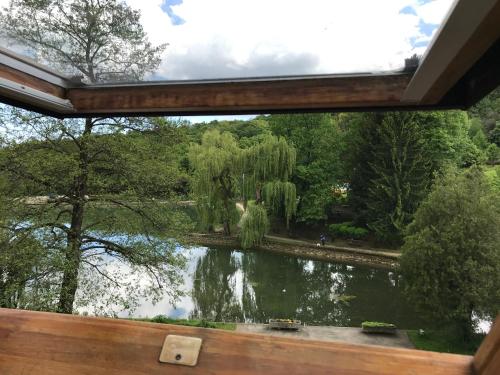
(273, 286)
(214, 287)
(277, 286)
(286, 287)
(379, 298)
(322, 303)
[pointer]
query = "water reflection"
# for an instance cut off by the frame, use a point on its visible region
(255, 286)
(231, 285)
(215, 287)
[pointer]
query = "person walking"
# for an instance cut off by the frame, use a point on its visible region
(322, 239)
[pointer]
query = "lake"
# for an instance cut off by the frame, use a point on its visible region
(254, 286)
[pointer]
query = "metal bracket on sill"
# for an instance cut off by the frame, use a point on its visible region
(181, 350)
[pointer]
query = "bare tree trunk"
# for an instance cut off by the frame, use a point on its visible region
(227, 191)
(74, 236)
(226, 220)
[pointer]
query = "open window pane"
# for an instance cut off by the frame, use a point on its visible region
(196, 39)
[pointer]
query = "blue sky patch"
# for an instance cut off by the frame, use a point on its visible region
(408, 10)
(167, 8)
(427, 28)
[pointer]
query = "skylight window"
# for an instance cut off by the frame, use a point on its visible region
(259, 38)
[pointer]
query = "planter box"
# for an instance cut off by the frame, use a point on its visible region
(384, 330)
(286, 324)
(377, 327)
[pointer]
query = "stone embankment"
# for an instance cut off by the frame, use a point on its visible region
(304, 249)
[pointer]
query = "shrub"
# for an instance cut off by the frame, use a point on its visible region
(347, 230)
(377, 325)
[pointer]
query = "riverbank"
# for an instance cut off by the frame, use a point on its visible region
(304, 249)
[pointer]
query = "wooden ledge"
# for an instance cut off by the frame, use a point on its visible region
(45, 343)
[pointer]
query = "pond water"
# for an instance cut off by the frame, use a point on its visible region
(254, 286)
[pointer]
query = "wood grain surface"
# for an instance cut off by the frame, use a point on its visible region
(45, 343)
(487, 359)
(235, 96)
(31, 81)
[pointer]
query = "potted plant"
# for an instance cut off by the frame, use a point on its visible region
(378, 327)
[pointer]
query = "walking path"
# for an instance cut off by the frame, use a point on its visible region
(381, 252)
(304, 249)
(326, 333)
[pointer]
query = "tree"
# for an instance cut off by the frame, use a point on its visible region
(487, 114)
(254, 225)
(450, 261)
(214, 287)
(215, 162)
(267, 167)
(392, 158)
(25, 266)
(222, 169)
(319, 144)
(99, 40)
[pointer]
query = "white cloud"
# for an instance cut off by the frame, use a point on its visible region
(434, 11)
(242, 38)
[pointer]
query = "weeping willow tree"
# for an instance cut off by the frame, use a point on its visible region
(268, 167)
(260, 173)
(254, 225)
(216, 168)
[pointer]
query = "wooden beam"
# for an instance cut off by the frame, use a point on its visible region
(25, 79)
(471, 28)
(487, 359)
(44, 343)
(237, 96)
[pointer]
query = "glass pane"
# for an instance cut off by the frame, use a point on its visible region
(199, 39)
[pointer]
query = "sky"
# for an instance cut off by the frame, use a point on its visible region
(249, 38)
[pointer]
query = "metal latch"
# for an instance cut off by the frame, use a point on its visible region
(181, 350)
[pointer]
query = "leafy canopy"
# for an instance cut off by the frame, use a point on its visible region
(99, 39)
(451, 260)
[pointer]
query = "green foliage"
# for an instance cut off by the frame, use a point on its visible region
(77, 160)
(319, 144)
(270, 159)
(450, 261)
(278, 194)
(492, 153)
(377, 325)
(214, 285)
(492, 174)
(347, 230)
(221, 167)
(254, 225)
(216, 168)
(202, 323)
(486, 116)
(102, 40)
(346, 298)
(444, 341)
(480, 140)
(392, 160)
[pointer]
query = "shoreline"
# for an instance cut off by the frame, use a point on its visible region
(303, 249)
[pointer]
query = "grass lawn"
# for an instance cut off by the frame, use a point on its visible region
(437, 341)
(190, 322)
